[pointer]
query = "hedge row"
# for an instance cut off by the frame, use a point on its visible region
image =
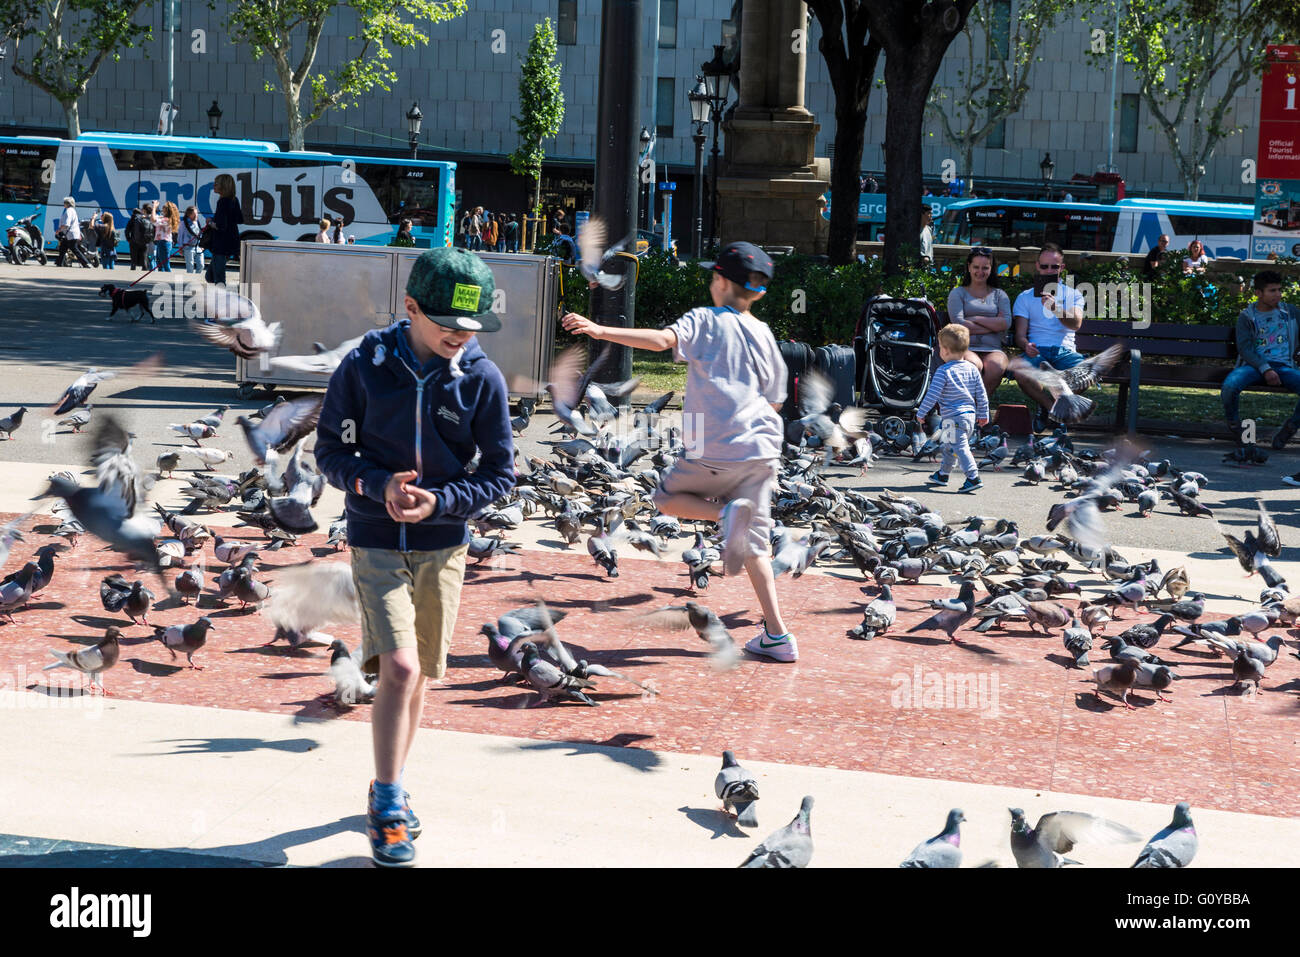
(816, 303)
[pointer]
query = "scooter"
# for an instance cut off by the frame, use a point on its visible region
(24, 240)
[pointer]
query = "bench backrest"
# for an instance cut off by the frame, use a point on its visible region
(1160, 339)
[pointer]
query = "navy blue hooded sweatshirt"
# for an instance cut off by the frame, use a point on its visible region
(384, 413)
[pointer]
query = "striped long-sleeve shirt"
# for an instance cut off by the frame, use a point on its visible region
(956, 388)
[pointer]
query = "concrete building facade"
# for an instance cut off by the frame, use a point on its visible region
(466, 81)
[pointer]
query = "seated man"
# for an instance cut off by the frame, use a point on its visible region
(1266, 346)
(1045, 328)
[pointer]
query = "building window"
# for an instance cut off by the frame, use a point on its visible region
(1128, 123)
(664, 103)
(667, 23)
(997, 138)
(566, 32)
(999, 27)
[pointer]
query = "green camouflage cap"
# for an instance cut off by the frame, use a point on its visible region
(454, 288)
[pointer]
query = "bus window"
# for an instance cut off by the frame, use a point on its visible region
(415, 196)
(21, 168)
(1025, 229)
(1184, 225)
(380, 178)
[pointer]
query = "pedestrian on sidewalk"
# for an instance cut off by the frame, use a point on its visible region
(226, 220)
(190, 231)
(139, 232)
(166, 225)
(105, 239)
(735, 385)
(403, 415)
(69, 234)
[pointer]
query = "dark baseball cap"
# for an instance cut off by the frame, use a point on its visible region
(454, 288)
(738, 260)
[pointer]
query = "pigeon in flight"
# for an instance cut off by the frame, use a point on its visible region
(1056, 834)
(235, 323)
(282, 427)
(76, 394)
(323, 362)
(594, 256)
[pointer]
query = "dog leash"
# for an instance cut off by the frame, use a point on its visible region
(151, 270)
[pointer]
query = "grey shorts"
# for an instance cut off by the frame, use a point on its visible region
(724, 482)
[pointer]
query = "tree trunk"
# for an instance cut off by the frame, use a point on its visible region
(907, 84)
(850, 132)
(297, 129)
(72, 116)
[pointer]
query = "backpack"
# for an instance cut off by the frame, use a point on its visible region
(145, 231)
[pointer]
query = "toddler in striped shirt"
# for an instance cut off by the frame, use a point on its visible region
(963, 404)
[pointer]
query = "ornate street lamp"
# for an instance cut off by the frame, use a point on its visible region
(413, 120)
(717, 83)
(699, 100)
(214, 118)
(1048, 169)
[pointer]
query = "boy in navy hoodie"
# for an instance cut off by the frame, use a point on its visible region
(403, 415)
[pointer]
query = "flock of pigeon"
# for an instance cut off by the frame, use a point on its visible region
(1044, 845)
(598, 484)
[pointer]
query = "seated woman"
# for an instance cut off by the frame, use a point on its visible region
(1196, 258)
(985, 311)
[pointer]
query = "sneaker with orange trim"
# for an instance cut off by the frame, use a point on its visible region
(390, 840)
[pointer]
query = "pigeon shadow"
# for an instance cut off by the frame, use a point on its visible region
(96, 621)
(638, 759)
(156, 670)
(1063, 660)
(719, 822)
(289, 675)
(61, 690)
(237, 745)
(918, 639)
(964, 645)
(277, 651)
(677, 592)
(552, 543)
(320, 551)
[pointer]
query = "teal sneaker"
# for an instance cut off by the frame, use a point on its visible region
(412, 822)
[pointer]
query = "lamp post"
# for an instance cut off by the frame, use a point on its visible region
(413, 119)
(1048, 169)
(214, 118)
(717, 82)
(699, 99)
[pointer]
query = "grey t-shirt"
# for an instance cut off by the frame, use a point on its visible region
(962, 305)
(734, 371)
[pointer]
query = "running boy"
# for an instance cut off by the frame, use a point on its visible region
(963, 403)
(735, 384)
(403, 415)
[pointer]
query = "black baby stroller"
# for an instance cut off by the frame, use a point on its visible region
(896, 346)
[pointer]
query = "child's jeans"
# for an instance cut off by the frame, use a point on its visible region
(955, 430)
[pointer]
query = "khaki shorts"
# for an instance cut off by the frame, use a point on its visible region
(725, 481)
(408, 600)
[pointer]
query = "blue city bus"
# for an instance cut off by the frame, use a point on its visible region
(1127, 226)
(283, 195)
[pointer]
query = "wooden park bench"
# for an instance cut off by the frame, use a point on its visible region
(1206, 355)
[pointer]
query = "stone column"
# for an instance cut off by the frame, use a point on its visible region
(770, 182)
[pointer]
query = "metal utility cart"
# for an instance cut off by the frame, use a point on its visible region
(327, 294)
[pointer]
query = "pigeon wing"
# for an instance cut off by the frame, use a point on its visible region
(1061, 830)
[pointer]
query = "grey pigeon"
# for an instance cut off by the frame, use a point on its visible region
(1057, 833)
(549, 681)
(1173, 846)
(93, 661)
(707, 625)
(1078, 642)
(282, 427)
(879, 616)
(1118, 679)
(187, 639)
(791, 846)
(949, 620)
(77, 393)
(9, 424)
(738, 790)
(105, 515)
(942, 850)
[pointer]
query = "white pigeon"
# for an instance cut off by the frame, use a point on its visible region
(593, 255)
(236, 323)
(325, 361)
(209, 456)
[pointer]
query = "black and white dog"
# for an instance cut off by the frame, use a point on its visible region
(125, 299)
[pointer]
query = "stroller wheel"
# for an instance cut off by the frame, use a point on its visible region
(893, 428)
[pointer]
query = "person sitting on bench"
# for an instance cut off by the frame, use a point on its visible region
(1266, 346)
(1046, 317)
